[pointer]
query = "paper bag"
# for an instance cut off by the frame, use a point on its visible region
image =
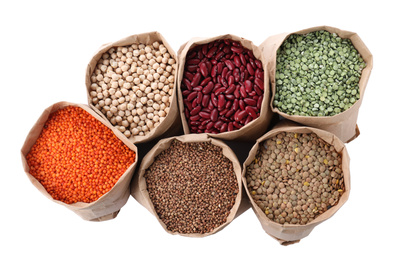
(172, 122)
(342, 125)
(255, 128)
(108, 205)
(139, 187)
(291, 233)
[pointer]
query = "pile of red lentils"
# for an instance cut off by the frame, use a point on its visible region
(77, 158)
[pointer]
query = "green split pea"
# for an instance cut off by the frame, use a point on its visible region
(317, 74)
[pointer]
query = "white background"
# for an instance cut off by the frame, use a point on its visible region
(45, 48)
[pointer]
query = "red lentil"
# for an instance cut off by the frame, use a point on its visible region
(77, 158)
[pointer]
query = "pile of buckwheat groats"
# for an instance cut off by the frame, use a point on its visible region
(295, 177)
(192, 187)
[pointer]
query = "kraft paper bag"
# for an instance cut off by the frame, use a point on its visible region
(107, 206)
(139, 187)
(288, 234)
(171, 123)
(342, 125)
(255, 128)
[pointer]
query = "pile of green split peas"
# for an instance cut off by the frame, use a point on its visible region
(317, 74)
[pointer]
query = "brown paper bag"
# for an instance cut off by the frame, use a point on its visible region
(139, 188)
(254, 129)
(107, 206)
(172, 120)
(342, 125)
(291, 233)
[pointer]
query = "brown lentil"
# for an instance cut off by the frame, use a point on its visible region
(192, 187)
(77, 158)
(300, 183)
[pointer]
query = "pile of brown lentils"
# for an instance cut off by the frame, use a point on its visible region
(192, 187)
(295, 177)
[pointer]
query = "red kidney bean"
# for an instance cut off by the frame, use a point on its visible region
(248, 120)
(259, 83)
(223, 128)
(203, 69)
(188, 75)
(230, 127)
(187, 83)
(214, 100)
(242, 58)
(228, 104)
(195, 110)
(258, 64)
(227, 49)
(211, 52)
(219, 90)
(243, 92)
(205, 109)
(237, 49)
(241, 115)
(229, 64)
(214, 70)
(187, 113)
(192, 96)
(214, 115)
(236, 75)
(217, 86)
(197, 88)
(195, 117)
(236, 92)
(210, 105)
(230, 79)
(237, 125)
(250, 101)
(221, 100)
(220, 54)
(248, 85)
(224, 72)
(235, 105)
(206, 81)
(209, 125)
(223, 112)
(194, 103)
(188, 104)
(258, 91)
(259, 101)
(251, 61)
(195, 123)
(192, 68)
(229, 96)
(218, 124)
(208, 88)
(204, 114)
(205, 100)
(193, 61)
(223, 82)
(231, 88)
(237, 61)
(204, 49)
(241, 104)
(196, 80)
(186, 92)
(229, 113)
(250, 69)
(251, 112)
(199, 97)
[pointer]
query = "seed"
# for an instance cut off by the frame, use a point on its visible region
(77, 158)
(303, 195)
(192, 187)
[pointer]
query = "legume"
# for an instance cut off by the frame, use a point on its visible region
(317, 74)
(295, 177)
(77, 158)
(222, 87)
(192, 187)
(132, 86)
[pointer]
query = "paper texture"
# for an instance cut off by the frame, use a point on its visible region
(254, 129)
(344, 124)
(291, 233)
(139, 188)
(172, 120)
(107, 206)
